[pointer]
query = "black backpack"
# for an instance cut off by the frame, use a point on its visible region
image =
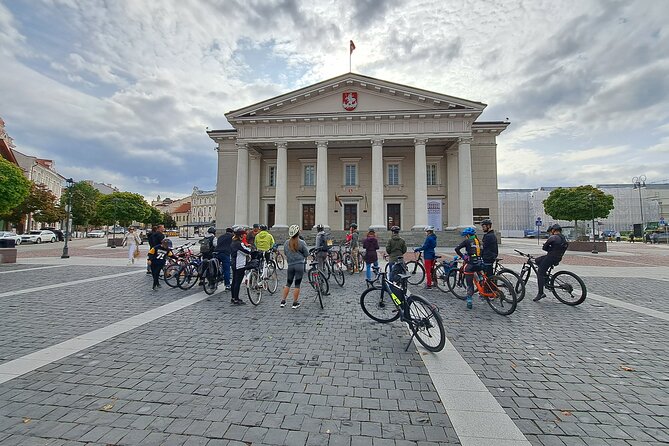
(206, 245)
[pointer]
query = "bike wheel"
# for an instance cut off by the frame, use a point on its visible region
(187, 277)
(500, 295)
(271, 267)
(172, 275)
(426, 324)
(280, 261)
(273, 282)
(524, 277)
(338, 274)
(568, 288)
(361, 261)
(378, 305)
(348, 263)
(516, 281)
(440, 278)
(320, 284)
(254, 288)
(210, 278)
(456, 284)
(417, 271)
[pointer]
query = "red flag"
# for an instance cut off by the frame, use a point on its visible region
(352, 47)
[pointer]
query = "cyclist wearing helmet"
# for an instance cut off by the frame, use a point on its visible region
(239, 252)
(321, 246)
(555, 246)
(264, 241)
(489, 252)
(251, 233)
(208, 244)
(472, 257)
(355, 247)
(428, 247)
(222, 253)
(396, 247)
(296, 252)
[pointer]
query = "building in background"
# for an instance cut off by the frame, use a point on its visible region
(182, 217)
(103, 188)
(203, 209)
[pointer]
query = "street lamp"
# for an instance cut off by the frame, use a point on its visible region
(638, 183)
(187, 223)
(592, 210)
(68, 229)
(113, 244)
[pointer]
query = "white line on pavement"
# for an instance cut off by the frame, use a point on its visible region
(28, 363)
(60, 285)
(628, 306)
(31, 269)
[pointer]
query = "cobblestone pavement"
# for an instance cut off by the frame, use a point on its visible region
(217, 374)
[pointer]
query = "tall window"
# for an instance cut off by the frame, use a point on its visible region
(393, 174)
(309, 175)
(432, 174)
(271, 176)
(351, 173)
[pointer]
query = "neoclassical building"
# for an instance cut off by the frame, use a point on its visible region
(357, 149)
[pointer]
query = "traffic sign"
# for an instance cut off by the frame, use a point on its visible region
(662, 222)
(538, 222)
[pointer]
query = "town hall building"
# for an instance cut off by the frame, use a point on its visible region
(355, 149)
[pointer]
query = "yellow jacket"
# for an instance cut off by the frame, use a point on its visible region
(264, 241)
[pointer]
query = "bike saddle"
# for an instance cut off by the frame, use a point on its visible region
(438, 257)
(403, 276)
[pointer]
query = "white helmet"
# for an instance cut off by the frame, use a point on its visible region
(294, 229)
(429, 228)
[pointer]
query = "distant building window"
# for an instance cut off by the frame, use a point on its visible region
(309, 175)
(393, 174)
(271, 176)
(432, 174)
(351, 175)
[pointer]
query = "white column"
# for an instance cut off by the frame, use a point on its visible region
(254, 187)
(465, 182)
(378, 222)
(452, 194)
(242, 190)
(322, 183)
(420, 185)
(281, 189)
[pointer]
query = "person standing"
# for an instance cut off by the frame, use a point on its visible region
(555, 247)
(321, 247)
(429, 255)
(355, 247)
(296, 252)
(371, 245)
(264, 241)
(156, 259)
(490, 250)
(396, 248)
(238, 255)
(154, 239)
(222, 253)
(472, 257)
(132, 241)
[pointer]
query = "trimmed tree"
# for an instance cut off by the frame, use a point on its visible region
(124, 207)
(576, 204)
(154, 217)
(14, 185)
(168, 221)
(84, 202)
(40, 202)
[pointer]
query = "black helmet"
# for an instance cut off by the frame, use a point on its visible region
(395, 229)
(319, 228)
(263, 227)
(555, 227)
(212, 230)
(256, 225)
(486, 221)
(354, 225)
(239, 230)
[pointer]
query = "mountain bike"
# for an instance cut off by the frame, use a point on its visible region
(390, 301)
(318, 282)
(171, 270)
(497, 291)
(566, 286)
(278, 257)
(511, 276)
(261, 275)
(348, 259)
(188, 274)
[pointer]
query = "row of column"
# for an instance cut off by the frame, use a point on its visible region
(460, 190)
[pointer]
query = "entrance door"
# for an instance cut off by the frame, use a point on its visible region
(270, 215)
(308, 216)
(350, 215)
(394, 215)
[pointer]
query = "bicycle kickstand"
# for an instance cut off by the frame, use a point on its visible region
(410, 341)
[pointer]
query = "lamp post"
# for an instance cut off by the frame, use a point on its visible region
(113, 244)
(638, 183)
(70, 183)
(592, 211)
(187, 223)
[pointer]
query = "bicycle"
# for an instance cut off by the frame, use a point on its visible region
(417, 270)
(511, 276)
(566, 286)
(400, 267)
(497, 291)
(418, 313)
(261, 276)
(189, 273)
(348, 259)
(330, 267)
(278, 257)
(318, 282)
(172, 267)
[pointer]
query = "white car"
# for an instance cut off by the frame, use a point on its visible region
(39, 236)
(4, 235)
(96, 234)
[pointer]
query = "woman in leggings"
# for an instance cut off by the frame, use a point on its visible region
(296, 252)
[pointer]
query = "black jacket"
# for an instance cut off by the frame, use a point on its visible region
(155, 238)
(555, 246)
(489, 252)
(223, 244)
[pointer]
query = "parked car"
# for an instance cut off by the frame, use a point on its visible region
(532, 233)
(96, 233)
(609, 233)
(58, 232)
(5, 235)
(39, 236)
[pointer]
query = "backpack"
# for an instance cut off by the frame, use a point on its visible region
(206, 245)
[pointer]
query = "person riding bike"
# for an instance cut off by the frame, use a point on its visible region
(396, 247)
(472, 257)
(264, 241)
(490, 251)
(428, 247)
(555, 247)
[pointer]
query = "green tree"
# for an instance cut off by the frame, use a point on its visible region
(84, 202)
(124, 207)
(14, 185)
(168, 221)
(41, 203)
(154, 217)
(576, 204)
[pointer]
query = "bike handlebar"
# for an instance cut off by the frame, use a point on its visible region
(529, 256)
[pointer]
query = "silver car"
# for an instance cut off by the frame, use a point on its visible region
(4, 235)
(39, 236)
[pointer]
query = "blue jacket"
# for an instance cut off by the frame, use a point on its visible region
(428, 246)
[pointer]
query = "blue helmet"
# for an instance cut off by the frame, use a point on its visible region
(468, 231)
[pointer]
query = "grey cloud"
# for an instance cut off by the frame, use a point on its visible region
(366, 12)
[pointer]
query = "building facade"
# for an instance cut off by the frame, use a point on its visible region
(357, 149)
(203, 210)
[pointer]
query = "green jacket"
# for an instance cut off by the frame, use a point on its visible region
(264, 241)
(396, 247)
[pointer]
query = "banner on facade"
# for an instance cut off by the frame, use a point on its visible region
(434, 214)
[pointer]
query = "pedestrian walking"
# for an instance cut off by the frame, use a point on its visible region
(371, 245)
(296, 251)
(428, 247)
(132, 241)
(156, 259)
(238, 255)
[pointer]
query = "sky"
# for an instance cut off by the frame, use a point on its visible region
(121, 92)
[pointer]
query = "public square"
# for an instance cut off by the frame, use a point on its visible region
(89, 354)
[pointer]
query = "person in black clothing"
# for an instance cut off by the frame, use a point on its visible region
(555, 246)
(157, 257)
(155, 238)
(489, 252)
(223, 251)
(472, 257)
(238, 253)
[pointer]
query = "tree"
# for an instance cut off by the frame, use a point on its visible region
(14, 185)
(84, 202)
(168, 221)
(40, 202)
(124, 207)
(576, 204)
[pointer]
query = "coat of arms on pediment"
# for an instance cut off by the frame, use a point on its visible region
(349, 100)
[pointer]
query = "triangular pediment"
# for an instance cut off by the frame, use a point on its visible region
(355, 94)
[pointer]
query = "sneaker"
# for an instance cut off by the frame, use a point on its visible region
(295, 305)
(428, 287)
(240, 302)
(227, 288)
(539, 297)
(283, 303)
(469, 302)
(148, 273)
